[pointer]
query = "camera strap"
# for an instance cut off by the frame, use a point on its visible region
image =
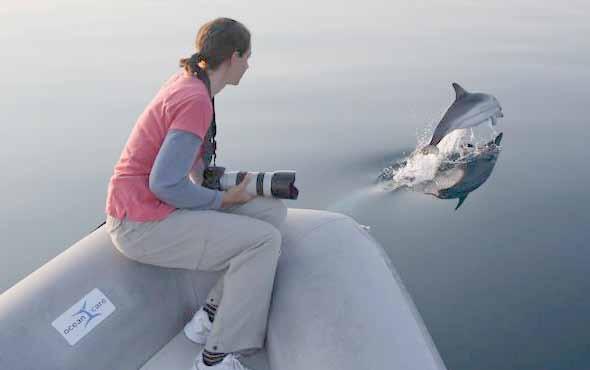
(203, 76)
(213, 132)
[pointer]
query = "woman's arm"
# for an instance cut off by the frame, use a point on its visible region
(196, 173)
(169, 178)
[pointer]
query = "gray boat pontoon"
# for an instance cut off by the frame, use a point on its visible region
(337, 305)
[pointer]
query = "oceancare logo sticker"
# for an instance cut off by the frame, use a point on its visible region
(83, 316)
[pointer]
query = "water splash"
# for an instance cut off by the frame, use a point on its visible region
(419, 168)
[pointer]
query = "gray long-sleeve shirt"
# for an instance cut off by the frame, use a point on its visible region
(169, 178)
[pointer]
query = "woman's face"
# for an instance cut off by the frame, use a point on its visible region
(238, 66)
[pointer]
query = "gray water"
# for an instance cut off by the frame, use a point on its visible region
(336, 91)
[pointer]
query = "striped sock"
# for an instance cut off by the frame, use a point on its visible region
(211, 309)
(212, 358)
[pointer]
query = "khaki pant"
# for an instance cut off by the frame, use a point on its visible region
(243, 239)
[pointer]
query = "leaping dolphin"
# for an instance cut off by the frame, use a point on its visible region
(468, 110)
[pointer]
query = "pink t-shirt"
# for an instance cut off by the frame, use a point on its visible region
(182, 103)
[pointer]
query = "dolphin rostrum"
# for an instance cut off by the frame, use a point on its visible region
(468, 110)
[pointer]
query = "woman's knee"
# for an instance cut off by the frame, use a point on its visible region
(268, 209)
(273, 237)
(278, 212)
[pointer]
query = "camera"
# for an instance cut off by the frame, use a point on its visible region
(277, 184)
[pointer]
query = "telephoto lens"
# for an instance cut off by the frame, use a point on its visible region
(277, 184)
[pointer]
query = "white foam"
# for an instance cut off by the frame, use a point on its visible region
(452, 142)
(420, 167)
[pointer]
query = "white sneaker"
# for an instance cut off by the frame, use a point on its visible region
(198, 329)
(230, 362)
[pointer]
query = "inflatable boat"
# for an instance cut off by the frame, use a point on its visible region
(337, 304)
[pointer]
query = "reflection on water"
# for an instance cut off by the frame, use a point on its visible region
(470, 173)
(459, 173)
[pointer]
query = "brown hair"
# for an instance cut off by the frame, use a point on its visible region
(216, 41)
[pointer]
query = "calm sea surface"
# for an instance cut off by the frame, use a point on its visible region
(335, 91)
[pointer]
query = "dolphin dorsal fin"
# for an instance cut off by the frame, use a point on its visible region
(459, 91)
(461, 200)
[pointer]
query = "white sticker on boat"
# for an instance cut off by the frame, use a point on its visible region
(83, 316)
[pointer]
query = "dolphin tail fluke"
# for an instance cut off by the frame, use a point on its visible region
(461, 200)
(430, 149)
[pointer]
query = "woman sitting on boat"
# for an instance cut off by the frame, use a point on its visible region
(158, 213)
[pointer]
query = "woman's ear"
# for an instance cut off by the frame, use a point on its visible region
(234, 57)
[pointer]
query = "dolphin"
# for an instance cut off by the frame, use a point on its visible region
(458, 180)
(468, 110)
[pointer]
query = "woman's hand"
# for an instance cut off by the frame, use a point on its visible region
(237, 194)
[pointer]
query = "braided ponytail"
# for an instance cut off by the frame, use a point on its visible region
(196, 65)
